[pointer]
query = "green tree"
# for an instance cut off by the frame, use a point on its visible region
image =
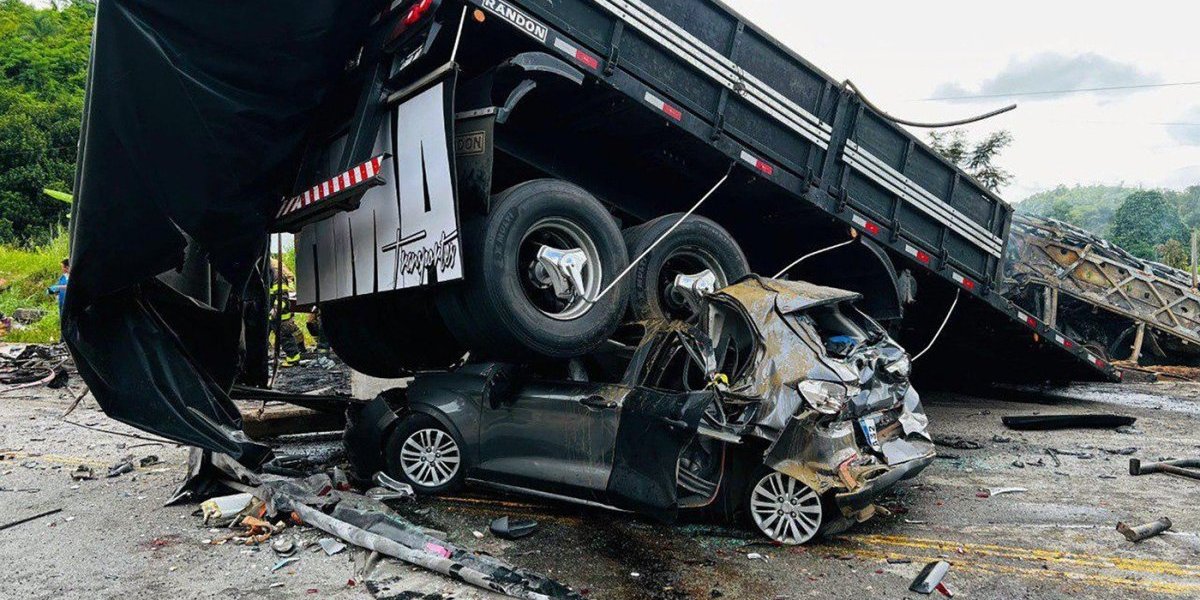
(978, 159)
(1173, 254)
(43, 69)
(1145, 221)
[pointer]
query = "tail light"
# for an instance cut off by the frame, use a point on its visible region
(416, 12)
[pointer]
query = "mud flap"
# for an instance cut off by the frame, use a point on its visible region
(655, 428)
(405, 233)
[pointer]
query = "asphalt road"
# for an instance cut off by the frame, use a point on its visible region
(113, 538)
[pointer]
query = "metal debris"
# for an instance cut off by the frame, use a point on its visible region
(331, 546)
(1188, 467)
(28, 519)
(1056, 422)
(930, 579)
(512, 529)
(1141, 532)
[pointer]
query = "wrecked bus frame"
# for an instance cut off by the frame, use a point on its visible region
(785, 406)
(1121, 306)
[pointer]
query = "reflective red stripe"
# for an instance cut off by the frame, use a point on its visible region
(587, 59)
(346, 180)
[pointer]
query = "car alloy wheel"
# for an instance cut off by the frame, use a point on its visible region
(785, 509)
(430, 457)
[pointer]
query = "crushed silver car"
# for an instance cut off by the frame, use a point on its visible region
(783, 405)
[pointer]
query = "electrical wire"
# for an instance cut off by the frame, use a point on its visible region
(1067, 91)
(938, 334)
(999, 111)
(812, 254)
(633, 263)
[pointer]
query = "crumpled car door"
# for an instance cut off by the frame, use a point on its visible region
(655, 429)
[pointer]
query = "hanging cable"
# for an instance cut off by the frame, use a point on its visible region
(942, 327)
(458, 36)
(850, 86)
(633, 263)
(853, 238)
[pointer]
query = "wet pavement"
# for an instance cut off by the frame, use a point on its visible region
(1055, 540)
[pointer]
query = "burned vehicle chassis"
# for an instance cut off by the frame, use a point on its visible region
(783, 407)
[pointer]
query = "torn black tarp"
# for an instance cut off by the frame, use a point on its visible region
(194, 116)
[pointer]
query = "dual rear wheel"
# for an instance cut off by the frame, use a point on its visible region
(539, 281)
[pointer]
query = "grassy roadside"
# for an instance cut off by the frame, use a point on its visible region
(25, 273)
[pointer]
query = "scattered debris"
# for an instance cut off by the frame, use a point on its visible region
(331, 546)
(125, 466)
(957, 442)
(930, 579)
(225, 509)
(512, 529)
(148, 461)
(1056, 422)
(1005, 490)
(83, 473)
(756, 556)
(284, 546)
(1187, 467)
(285, 562)
(1141, 532)
(28, 519)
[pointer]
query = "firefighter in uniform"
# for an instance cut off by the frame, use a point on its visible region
(291, 340)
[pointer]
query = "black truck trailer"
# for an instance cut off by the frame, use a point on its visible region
(640, 107)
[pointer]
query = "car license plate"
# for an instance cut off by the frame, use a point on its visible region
(867, 424)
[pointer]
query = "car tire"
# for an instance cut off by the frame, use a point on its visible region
(783, 508)
(698, 244)
(503, 309)
(389, 335)
(435, 445)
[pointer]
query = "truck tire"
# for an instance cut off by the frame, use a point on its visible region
(697, 245)
(507, 307)
(390, 335)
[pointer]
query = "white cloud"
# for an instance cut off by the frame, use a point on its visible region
(897, 52)
(1034, 77)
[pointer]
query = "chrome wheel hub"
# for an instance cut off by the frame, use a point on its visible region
(430, 457)
(561, 267)
(785, 510)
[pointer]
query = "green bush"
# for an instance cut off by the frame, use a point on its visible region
(25, 275)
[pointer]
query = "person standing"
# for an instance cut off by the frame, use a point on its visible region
(291, 339)
(60, 286)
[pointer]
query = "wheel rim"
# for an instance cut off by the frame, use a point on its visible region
(685, 261)
(560, 234)
(430, 457)
(785, 509)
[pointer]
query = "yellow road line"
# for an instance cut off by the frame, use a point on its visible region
(968, 564)
(1156, 567)
(58, 459)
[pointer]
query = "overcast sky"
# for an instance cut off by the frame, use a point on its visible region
(900, 53)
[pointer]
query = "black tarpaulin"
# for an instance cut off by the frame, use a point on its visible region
(194, 118)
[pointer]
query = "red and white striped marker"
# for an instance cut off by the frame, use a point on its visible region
(967, 283)
(586, 59)
(661, 105)
(1028, 320)
(761, 165)
(1097, 361)
(343, 181)
(921, 255)
(1064, 342)
(866, 225)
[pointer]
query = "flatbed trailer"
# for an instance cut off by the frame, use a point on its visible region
(657, 99)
